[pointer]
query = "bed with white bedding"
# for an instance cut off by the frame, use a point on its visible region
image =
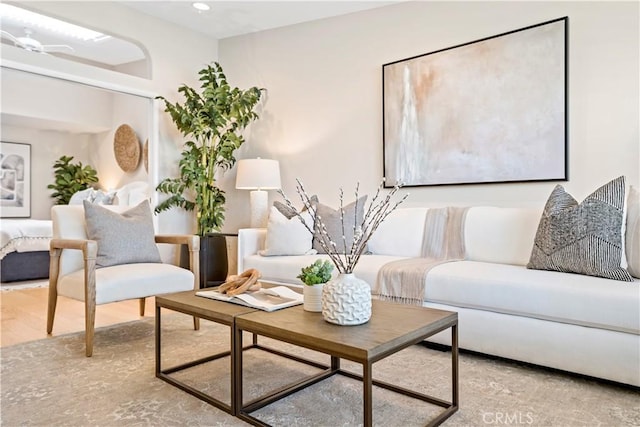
(24, 249)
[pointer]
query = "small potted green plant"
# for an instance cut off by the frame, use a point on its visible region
(71, 178)
(314, 277)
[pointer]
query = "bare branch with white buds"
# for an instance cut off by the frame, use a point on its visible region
(379, 208)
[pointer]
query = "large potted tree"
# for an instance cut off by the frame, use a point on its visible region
(212, 120)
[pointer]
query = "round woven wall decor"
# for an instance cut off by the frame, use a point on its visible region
(126, 147)
(145, 155)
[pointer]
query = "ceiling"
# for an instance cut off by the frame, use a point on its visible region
(224, 19)
(232, 18)
(108, 52)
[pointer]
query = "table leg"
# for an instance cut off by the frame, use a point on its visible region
(158, 352)
(368, 390)
(236, 370)
(335, 363)
(454, 367)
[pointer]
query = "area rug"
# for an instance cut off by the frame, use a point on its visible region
(51, 383)
(25, 284)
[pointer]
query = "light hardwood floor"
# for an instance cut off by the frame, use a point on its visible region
(23, 315)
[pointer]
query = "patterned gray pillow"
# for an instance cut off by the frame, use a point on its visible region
(125, 238)
(353, 215)
(583, 238)
(289, 212)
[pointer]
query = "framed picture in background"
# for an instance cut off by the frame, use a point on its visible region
(15, 180)
(488, 111)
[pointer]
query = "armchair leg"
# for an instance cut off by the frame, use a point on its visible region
(51, 307)
(89, 298)
(54, 268)
(142, 301)
(90, 321)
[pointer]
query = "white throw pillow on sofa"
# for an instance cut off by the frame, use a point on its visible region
(132, 194)
(98, 197)
(287, 236)
(79, 196)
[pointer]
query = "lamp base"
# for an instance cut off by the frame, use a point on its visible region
(259, 208)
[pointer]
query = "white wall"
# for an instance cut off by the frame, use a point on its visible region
(322, 117)
(36, 111)
(58, 117)
(133, 111)
(46, 147)
(176, 55)
(72, 106)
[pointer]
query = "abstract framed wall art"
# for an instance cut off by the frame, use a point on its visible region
(488, 111)
(15, 180)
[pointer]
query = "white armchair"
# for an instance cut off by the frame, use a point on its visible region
(73, 271)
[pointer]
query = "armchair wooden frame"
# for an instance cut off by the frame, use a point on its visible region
(89, 250)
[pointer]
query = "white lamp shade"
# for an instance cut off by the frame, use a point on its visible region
(258, 174)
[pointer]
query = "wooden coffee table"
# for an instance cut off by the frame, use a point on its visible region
(216, 311)
(392, 328)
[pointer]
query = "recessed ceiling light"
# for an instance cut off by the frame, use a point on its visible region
(201, 6)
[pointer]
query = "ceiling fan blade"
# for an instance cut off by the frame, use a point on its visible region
(10, 36)
(56, 48)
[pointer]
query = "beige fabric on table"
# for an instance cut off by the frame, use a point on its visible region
(404, 280)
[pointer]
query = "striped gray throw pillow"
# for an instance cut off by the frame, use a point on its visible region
(583, 238)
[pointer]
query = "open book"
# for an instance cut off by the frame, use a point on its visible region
(267, 299)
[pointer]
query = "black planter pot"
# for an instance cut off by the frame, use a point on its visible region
(214, 263)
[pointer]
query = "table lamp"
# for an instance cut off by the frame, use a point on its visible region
(258, 175)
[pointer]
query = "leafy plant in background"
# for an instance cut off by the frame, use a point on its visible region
(70, 178)
(213, 119)
(318, 272)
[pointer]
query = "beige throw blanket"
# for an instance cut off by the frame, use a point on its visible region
(404, 281)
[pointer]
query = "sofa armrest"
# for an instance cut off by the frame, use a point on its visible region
(250, 241)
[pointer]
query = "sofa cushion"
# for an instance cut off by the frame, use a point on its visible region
(331, 218)
(489, 234)
(287, 236)
(123, 238)
(128, 281)
(632, 233)
(400, 234)
(559, 297)
(584, 238)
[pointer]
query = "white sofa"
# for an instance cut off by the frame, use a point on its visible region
(572, 322)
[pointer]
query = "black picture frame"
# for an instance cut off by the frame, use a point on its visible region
(493, 110)
(15, 180)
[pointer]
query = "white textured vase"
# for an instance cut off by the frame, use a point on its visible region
(346, 300)
(312, 297)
